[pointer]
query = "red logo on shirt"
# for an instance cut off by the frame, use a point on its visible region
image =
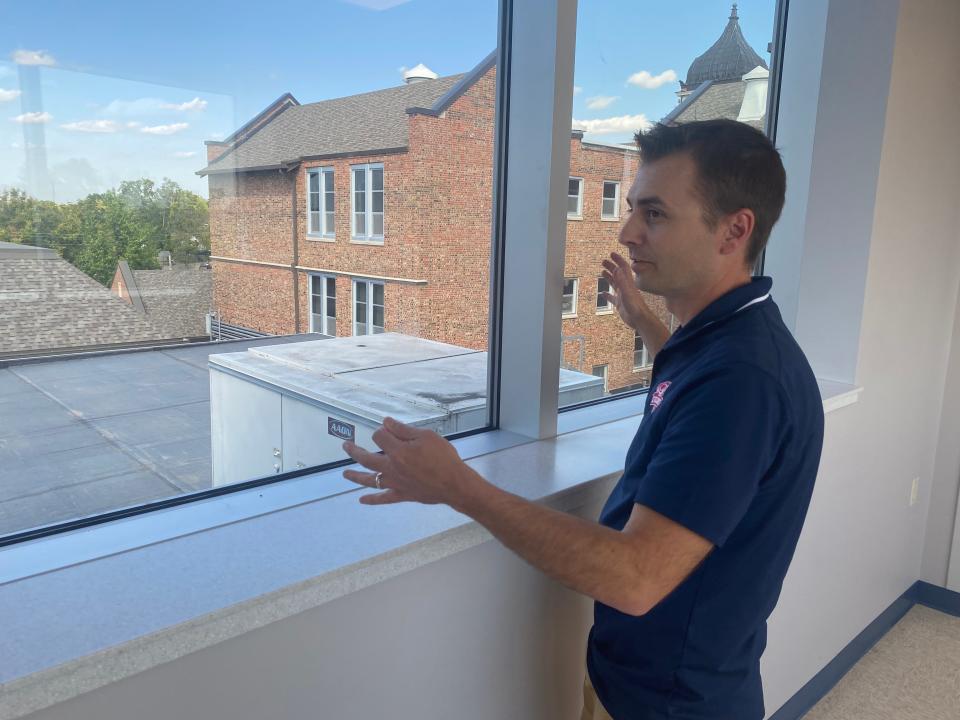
(658, 394)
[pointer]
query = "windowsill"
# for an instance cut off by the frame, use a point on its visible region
(606, 312)
(321, 238)
(574, 217)
(571, 316)
(366, 241)
(273, 551)
(610, 219)
(642, 368)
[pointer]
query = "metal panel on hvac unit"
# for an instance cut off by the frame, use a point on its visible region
(248, 446)
(333, 389)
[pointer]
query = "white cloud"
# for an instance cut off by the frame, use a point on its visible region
(93, 126)
(376, 4)
(133, 124)
(33, 57)
(151, 105)
(651, 82)
(577, 89)
(33, 118)
(8, 95)
(185, 153)
(165, 129)
(611, 125)
(599, 102)
(195, 104)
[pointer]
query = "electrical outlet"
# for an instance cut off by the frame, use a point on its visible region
(914, 491)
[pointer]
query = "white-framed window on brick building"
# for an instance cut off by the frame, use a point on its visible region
(600, 371)
(569, 303)
(575, 198)
(611, 200)
(641, 356)
(366, 202)
(603, 286)
(320, 199)
(323, 305)
(368, 307)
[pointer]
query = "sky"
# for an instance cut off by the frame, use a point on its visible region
(130, 90)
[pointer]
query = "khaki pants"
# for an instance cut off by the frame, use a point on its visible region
(592, 709)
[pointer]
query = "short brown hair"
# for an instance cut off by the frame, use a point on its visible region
(737, 165)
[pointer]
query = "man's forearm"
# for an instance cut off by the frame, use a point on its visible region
(586, 557)
(652, 331)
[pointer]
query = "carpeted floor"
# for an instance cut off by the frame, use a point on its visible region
(913, 673)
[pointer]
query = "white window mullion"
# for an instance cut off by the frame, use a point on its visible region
(543, 39)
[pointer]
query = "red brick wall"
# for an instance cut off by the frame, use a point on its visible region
(250, 216)
(254, 296)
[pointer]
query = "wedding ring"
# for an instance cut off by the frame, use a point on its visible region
(376, 480)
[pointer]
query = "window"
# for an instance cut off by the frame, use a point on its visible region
(600, 371)
(611, 200)
(603, 157)
(603, 286)
(320, 202)
(575, 198)
(367, 199)
(323, 305)
(641, 357)
(368, 310)
(569, 306)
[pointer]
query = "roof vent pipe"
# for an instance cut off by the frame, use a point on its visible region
(418, 74)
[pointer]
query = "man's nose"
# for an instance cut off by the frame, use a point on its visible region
(629, 232)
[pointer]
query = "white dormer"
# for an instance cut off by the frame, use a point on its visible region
(754, 105)
(418, 74)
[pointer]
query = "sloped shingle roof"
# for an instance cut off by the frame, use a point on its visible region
(350, 125)
(711, 101)
(46, 303)
(176, 300)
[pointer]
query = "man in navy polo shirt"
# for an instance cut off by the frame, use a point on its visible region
(688, 559)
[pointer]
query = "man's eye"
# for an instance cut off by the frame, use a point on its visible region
(654, 214)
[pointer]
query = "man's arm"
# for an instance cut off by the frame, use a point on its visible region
(630, 570)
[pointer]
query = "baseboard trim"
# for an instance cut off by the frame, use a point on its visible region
(920, 593)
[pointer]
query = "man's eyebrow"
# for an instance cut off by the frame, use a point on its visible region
(646, 201)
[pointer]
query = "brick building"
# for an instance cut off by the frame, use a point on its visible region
(373, 212)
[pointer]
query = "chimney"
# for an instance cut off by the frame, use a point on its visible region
(418, 74)
(754, 105)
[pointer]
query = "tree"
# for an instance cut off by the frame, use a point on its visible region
(132, 222)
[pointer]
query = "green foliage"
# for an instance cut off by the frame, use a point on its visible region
(132, 222)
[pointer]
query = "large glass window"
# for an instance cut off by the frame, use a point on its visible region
(153, 195)
(702, 62)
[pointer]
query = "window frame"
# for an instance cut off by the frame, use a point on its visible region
(578, 215)
(324, 232)
(368, 238)
(607, 307)
(646, 362)
(368, 301)
(616, 200)
(323, 303)
(576, 290)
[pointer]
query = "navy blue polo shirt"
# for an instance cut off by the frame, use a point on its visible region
(728, 447)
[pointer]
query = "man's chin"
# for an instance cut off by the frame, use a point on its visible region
(646, 283)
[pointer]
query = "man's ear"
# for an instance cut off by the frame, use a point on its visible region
(738, 228)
